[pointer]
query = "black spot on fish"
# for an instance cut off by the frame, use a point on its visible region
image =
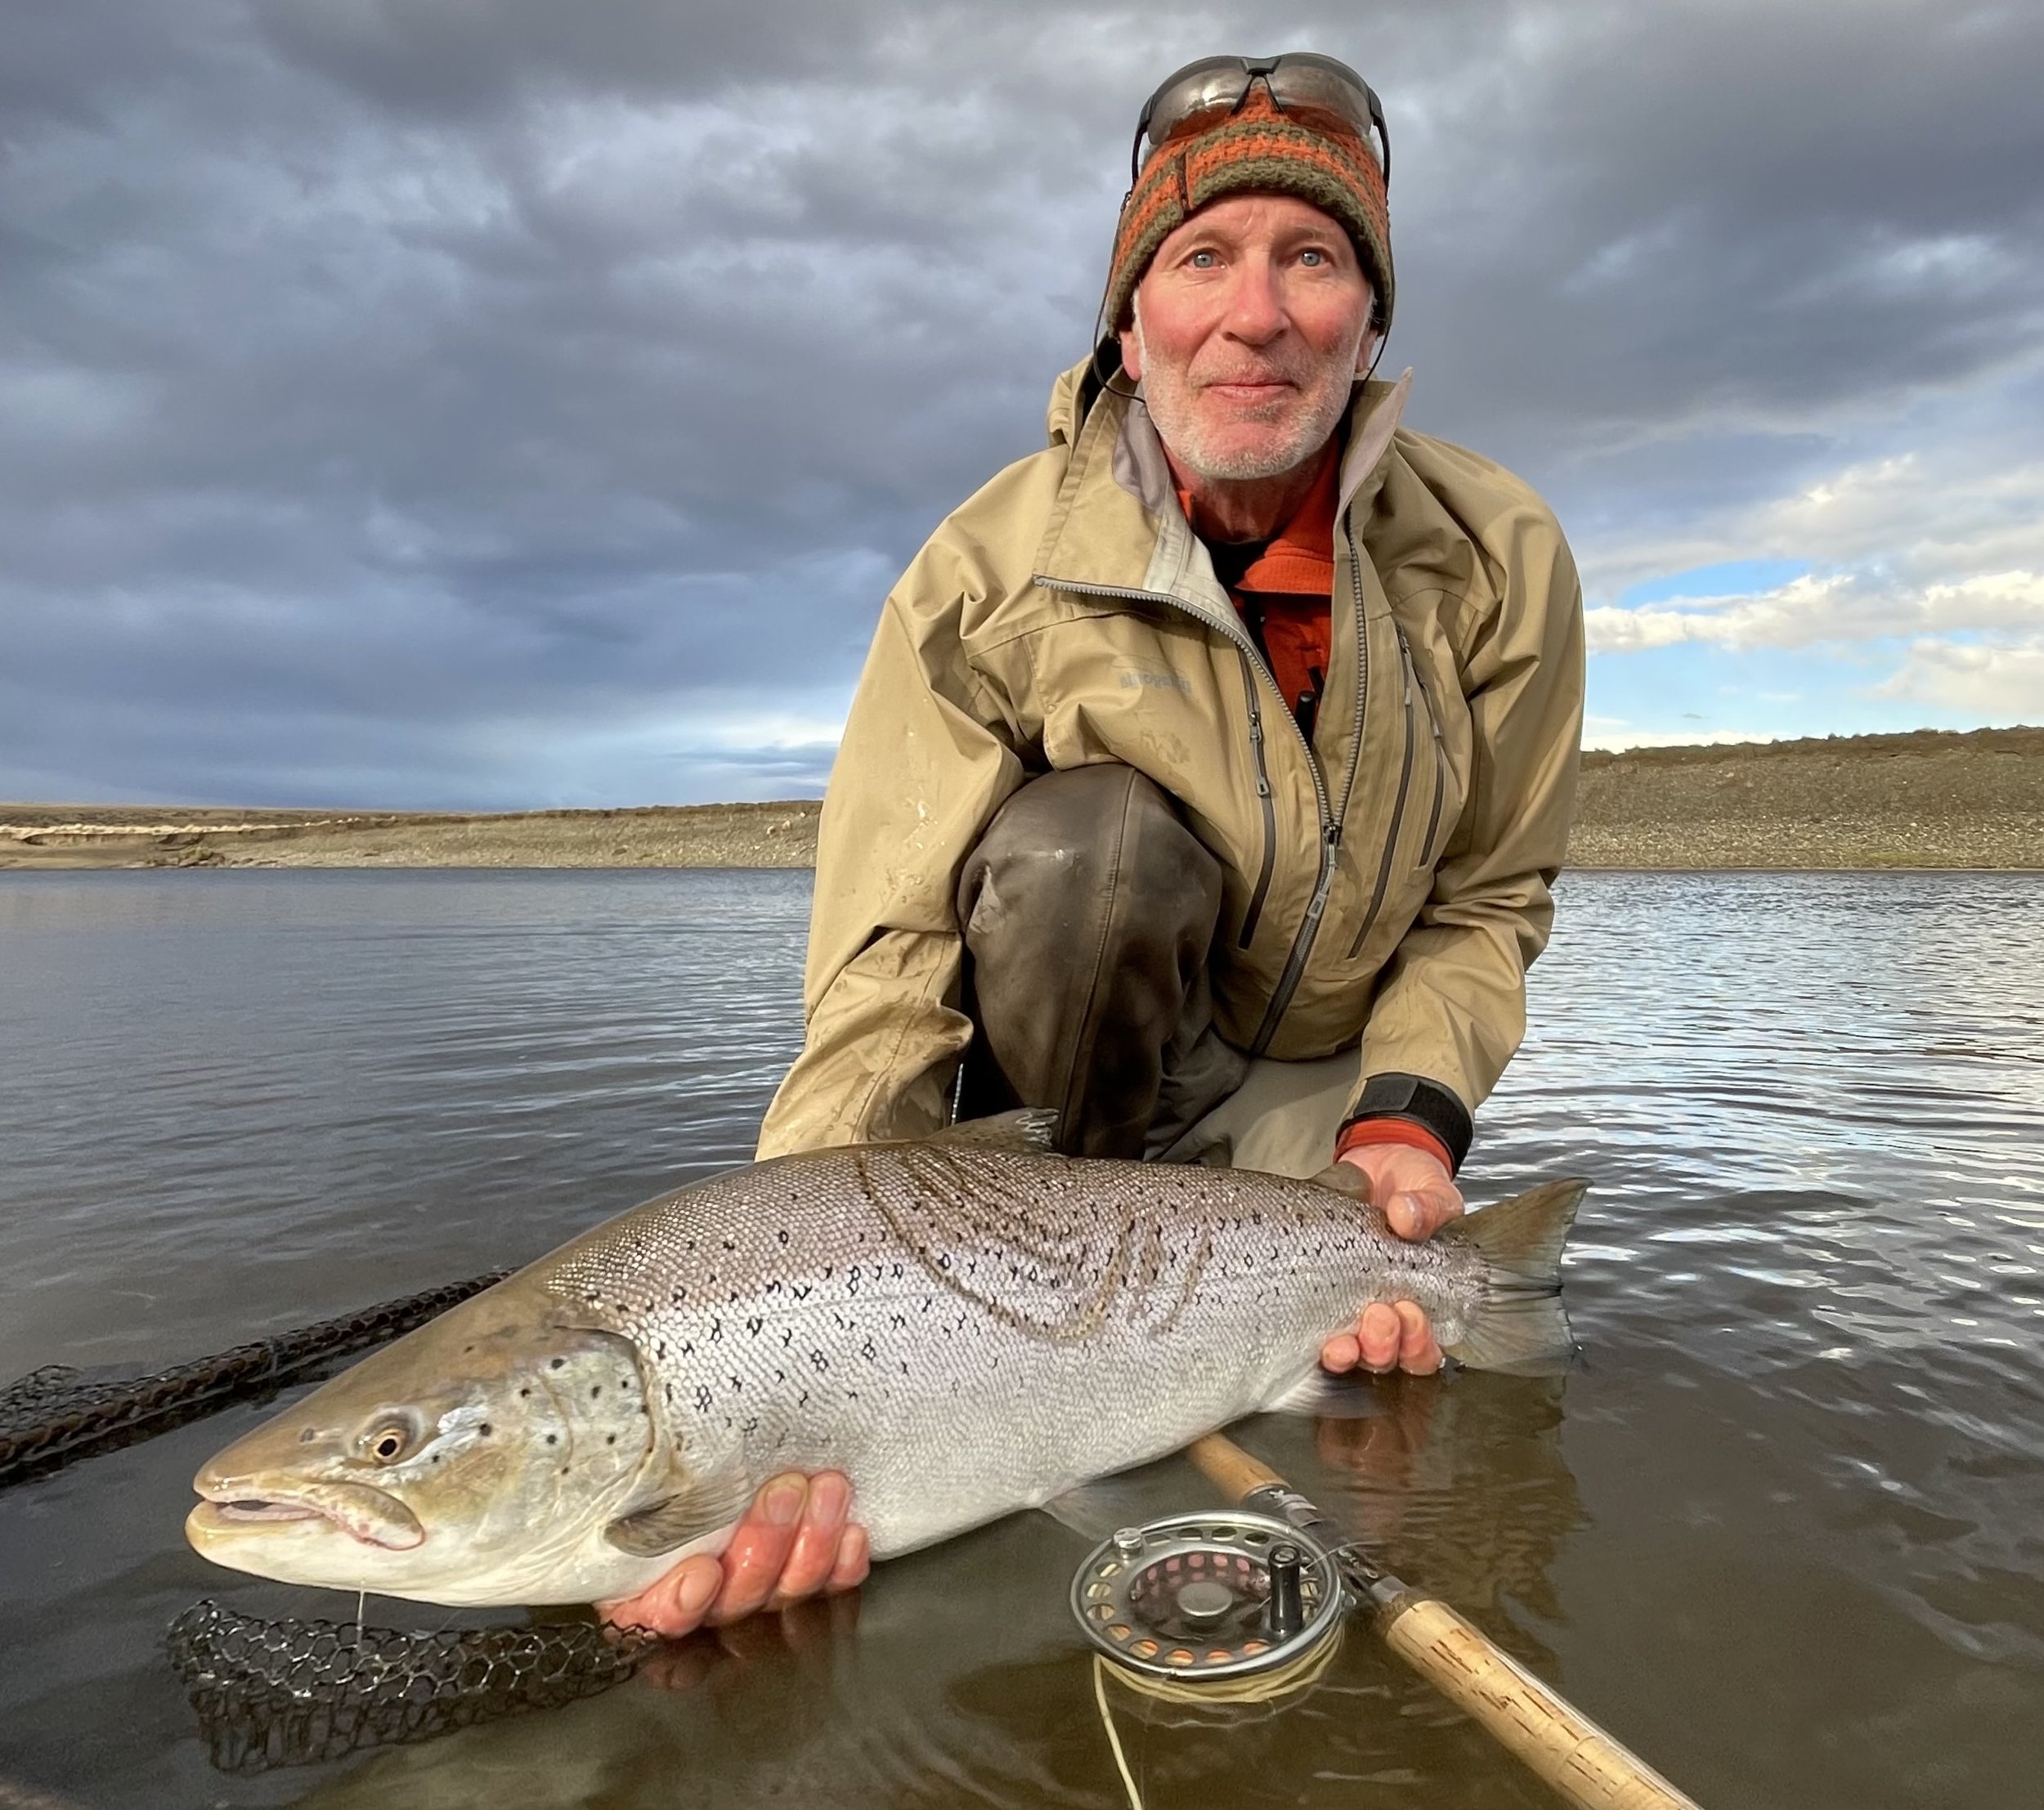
(783, 1234)
(556, 1363)
(729, 1246)
(525, 1394)
(754, 1324)
(308, 1436)
(553, 1438)
(484, 1430)
(611, 1440)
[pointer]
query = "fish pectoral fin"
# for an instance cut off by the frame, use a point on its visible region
(672, 1522)
(1029, 1130)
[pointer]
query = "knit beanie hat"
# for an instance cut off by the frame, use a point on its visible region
(1258, 147)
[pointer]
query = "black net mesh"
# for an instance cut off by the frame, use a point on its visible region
(292, 1693)
(53, 1416)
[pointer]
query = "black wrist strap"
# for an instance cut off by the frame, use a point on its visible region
(1420, 1102)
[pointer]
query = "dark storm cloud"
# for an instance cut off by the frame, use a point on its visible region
(399, 397)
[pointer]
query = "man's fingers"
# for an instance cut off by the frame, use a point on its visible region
(854, 1560)
(1379, 1333)
(1341, 1354)
(1418, 1352)
(759, 1550)
(1419, 1213)
(816, 1540)
(672, 1606)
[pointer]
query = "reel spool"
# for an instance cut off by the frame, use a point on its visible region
(1194, 1597)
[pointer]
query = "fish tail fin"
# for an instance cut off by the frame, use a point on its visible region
(1519, 1325)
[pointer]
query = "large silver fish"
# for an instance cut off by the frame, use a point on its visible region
(965, 1326)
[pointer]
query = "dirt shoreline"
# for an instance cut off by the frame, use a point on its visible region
(1927, 800)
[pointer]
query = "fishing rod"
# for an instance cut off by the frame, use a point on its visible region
(1220, 1598)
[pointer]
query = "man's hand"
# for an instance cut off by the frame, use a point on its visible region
(1418, 1197)
(794, 1541)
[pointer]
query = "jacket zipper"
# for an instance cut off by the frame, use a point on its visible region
(1426, 855)
(1397, 808)
(1331, 818)
(1255, 912)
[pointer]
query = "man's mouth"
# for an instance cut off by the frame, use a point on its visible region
(369, 1516)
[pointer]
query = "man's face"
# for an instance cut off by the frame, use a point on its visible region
(1250, 325)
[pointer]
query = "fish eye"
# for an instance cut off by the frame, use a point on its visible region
(389, 1438)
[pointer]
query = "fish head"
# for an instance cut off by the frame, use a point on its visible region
(477, 1460)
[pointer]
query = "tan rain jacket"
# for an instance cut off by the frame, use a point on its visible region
(1389, 884)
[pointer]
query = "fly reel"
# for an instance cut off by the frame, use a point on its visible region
(1194, 1597)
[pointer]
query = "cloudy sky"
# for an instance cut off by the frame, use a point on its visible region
(497, 403)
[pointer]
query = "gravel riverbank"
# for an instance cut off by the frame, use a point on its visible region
(1925, 799)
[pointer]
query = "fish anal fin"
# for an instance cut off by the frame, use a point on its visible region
(1325, 1396)
(1028, 1130)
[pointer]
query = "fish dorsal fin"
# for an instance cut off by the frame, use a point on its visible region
(671, 1521)
(1124, 1245)
(1028, 1130)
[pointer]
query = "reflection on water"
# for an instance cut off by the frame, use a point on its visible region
(1780, 1530)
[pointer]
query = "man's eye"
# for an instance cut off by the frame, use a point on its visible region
(1311, 256)
(1202, 260)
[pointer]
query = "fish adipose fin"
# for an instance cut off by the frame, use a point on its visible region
(1519, 1325)
(1030, 1131)
(673, 1522)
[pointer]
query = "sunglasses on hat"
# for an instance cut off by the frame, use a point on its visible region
(1299, 79)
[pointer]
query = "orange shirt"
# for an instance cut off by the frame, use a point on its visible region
(1290, 585)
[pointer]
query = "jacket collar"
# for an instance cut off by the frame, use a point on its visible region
(1117, 526)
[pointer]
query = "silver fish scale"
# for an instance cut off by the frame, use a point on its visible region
(966, 1332)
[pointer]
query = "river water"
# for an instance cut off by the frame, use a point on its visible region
(1782, 1529)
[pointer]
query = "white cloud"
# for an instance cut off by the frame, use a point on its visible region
(2000, 685)
(1843, 607)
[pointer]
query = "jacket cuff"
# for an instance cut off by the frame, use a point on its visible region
(1418, 1101)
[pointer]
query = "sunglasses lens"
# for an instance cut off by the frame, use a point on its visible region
(1299, 79)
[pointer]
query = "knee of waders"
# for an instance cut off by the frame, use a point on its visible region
(1074, 845)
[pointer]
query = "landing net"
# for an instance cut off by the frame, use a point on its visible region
(293, 1693)
(55, 1416)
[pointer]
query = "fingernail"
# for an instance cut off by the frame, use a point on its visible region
(784, 1501)
(698, 1585)
(829, 1497)
(1405, 1209)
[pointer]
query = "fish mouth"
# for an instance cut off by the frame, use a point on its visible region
(369, 1516)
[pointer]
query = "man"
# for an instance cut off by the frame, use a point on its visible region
(1210, 768)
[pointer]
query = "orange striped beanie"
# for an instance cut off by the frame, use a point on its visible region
(1258, 147)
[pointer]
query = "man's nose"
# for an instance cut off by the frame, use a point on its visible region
(1255, 303)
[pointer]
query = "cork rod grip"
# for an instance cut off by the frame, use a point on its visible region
(1559, 1743)
(1228, 1467)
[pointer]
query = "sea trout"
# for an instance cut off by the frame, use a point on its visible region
(965, 1326)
